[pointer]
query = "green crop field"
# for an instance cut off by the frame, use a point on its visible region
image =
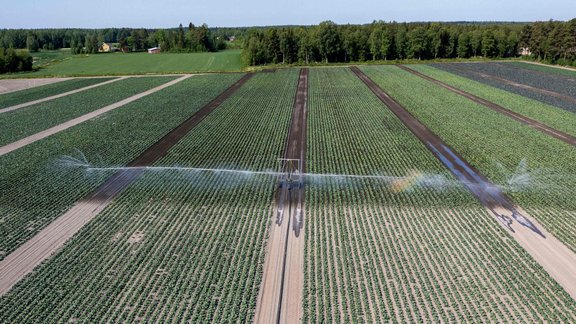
(490, 143)
(27, 121)
(41, 92)
(35, 188)
(376, 255)
(391, 230)
(208, 231)
(141, 63)
(555, 117)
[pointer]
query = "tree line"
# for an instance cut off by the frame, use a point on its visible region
(14, 61)
(330, 43)
(182, 39)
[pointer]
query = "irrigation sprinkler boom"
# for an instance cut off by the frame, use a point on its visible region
(290, 186)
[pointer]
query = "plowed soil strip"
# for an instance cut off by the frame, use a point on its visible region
(280, 296)
(548, 251)
(30, 103)
(525, 120)
(73, 122)
(12, 85)
(519, 85)
(40, 247)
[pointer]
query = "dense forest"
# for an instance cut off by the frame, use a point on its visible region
(551, 41)
(190, 38)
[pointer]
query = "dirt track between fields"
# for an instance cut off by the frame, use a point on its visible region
(48, 241)
(73, 122)
(557, 259)
(281, 292)
(567, 138)
(11, 85)
(30, 103)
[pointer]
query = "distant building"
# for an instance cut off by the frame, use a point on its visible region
(154, 50)
(107, 47)
(232, 39)
(524, 51)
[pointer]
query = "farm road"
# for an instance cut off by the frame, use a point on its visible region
(518, 117)
(39, 248)
(557, 259)
(73, 122)
(30, 103)
(281, 291)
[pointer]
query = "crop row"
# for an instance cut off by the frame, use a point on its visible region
(178, 245)
(552, 116)
(536, 170)
(482, 73)
(377, 255)
(41, 92)
(35, 187)
(20, 123)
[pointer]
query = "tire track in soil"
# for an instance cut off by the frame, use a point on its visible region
(567, 138)
(281, 292)
(44, 244)
(558, 261)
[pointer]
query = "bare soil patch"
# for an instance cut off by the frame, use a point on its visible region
(11, 85)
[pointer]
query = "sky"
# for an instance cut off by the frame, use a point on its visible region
(230, 13)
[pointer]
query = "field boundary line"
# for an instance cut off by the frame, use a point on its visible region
(549, 252)
(30, 103)
(567, 138)
(78, 120)
(281, 291)
(52, 238)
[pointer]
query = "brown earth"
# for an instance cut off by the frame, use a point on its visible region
(11, 85)
(557, 259)
(60, 95)
(23, 260)
(567, 138)
(281, 292)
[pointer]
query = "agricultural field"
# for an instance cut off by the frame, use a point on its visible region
(566, 71)
(553, 89)
(41, 92)
(30, 120)
(536, 172)
(190, 226)
(141, 63)
(36, 186)
(377, 253)
(191, 243)
(552, 116)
